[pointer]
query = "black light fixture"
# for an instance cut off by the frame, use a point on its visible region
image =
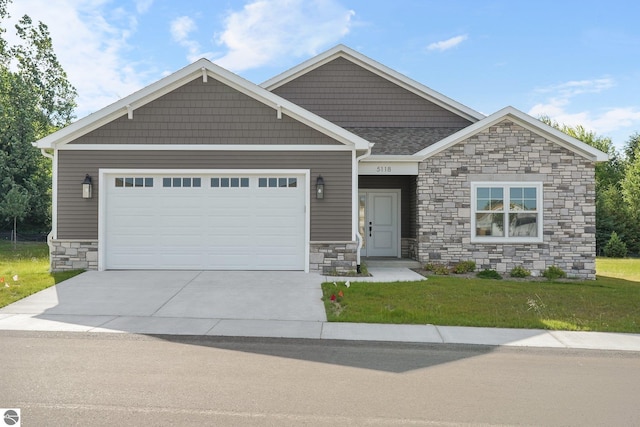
(320, 187)
(87, 187)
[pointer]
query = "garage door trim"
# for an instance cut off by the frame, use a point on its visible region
(102, 192)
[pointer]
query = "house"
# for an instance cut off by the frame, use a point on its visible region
(336, 159)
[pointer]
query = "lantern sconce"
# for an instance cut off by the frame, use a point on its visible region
(87, 187)
(320, 188)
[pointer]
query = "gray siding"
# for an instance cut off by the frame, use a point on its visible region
(205, 113)
(351, 96)
(330, 218)
(408, 197)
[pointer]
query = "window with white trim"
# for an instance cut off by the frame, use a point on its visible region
(506, 212)
(133, 182)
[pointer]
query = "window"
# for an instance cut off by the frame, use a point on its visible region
(277, 182)
(506, 212)
(230, 182)
(181, 182)
(139, 182)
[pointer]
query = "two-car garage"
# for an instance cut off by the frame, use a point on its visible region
(207, 220)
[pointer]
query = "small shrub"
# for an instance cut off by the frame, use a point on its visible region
(520, 272)
(489, 274)
(554, 272)
(615, 248)
(464, 267)
(439, 269)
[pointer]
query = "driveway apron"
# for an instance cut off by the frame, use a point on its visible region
(256, 295)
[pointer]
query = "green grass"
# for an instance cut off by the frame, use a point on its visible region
(610, 303)
(30, 262)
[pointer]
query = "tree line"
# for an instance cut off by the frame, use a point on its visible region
(36, 99)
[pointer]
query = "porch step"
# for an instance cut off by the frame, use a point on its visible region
(390, 262)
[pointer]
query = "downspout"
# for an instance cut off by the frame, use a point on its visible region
(358, 236)
(48, 156)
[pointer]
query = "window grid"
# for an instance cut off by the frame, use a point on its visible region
(229, 182)
(133, 182)
(507, 211)
(181, 182)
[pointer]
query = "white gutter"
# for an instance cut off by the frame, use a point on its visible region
(44, 153)
(356, 201)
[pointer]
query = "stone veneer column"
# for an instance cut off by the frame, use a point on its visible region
(333, 257)
(73, 255)
(508, 152)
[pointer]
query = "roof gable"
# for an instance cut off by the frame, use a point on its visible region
(383, 71)
(525, 121)
(204, 69)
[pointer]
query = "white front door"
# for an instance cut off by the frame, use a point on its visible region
(380, 222)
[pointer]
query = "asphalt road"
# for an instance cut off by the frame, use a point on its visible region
(117, 379)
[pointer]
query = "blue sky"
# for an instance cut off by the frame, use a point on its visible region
(577, 61)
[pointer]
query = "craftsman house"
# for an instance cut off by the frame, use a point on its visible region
(336, 159)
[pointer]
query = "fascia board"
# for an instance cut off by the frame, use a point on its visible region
(390, 158)
(527, 122)
(378, 69)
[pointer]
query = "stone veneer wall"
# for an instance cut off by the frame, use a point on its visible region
(333, 257)
(73, 255)
(508, 152)
(409, 248)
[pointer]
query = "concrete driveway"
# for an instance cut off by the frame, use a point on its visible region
(172, 301)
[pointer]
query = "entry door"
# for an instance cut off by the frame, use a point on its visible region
(380, 222)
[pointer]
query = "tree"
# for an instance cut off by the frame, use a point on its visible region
(15, 205)
(35, 100)
(632, 146)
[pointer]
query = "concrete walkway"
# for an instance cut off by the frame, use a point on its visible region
(249, 304)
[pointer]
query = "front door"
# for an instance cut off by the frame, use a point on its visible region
(380, 222)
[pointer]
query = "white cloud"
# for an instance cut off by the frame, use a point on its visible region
(90, 40)
(181, 28)
(267, 30)
(447, 44)
(603, 121)
(142, 6)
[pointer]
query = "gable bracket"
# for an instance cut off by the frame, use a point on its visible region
(279, 111)
(129, 112)
(204, 75)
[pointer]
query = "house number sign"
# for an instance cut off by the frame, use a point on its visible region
(388, 168)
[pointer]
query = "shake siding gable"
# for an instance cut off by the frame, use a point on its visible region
(205, 113)
(330, 218)
(351, 96)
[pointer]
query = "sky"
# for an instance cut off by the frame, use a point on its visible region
(576, 61)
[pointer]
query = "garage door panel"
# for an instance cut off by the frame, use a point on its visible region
(249, 227)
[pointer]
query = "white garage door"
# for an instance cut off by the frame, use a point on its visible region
(204, 221)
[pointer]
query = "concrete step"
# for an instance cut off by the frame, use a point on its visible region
(390, 262)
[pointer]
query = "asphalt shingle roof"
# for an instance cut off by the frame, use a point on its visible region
(401, 141)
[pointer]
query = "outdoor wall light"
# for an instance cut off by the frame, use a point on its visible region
(319, 188)
(86, 187)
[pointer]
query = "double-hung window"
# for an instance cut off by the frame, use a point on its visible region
(506, 212)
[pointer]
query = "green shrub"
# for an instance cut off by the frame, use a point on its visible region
(554, 272)
(441, 269)
(489, 274)
(464, 267)
(615, 248)
(519, 271)
(429, 266)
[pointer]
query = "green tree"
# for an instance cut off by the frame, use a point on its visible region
(15, 205)
(632, 146)
(35, 100)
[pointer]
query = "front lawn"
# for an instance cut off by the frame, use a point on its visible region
(610, 303)
(29, 264)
